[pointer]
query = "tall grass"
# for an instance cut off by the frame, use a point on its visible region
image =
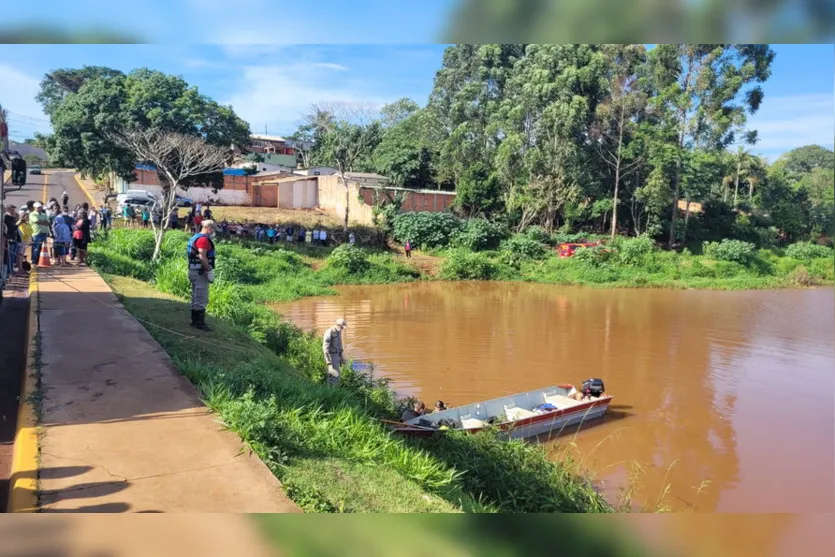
(274, 395)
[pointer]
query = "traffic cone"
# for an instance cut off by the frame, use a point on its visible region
(43, 259)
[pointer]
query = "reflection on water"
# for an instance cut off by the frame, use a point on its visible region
(725, 396)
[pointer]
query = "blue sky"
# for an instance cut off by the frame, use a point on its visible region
(273, 85)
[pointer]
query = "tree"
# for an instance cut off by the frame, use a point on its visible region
(254, 157)
(86, 107)
(700, 93)
(464, 105)
(551, 98)
(741, 166)
(803, 160)
(180, 160)
(347, 136)
(59, 84)
(404, 154)
(617, 117)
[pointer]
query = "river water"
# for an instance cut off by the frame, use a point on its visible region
(723, 401)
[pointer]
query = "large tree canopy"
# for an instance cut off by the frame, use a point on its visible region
(593, 138)
(85, 106)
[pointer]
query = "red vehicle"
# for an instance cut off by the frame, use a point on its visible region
(568, 249)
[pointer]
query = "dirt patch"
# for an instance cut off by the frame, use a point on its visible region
(270, 215)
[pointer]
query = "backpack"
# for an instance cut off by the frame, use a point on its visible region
(78, 234)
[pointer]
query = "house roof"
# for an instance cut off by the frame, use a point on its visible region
(366, 175)
(267, 137)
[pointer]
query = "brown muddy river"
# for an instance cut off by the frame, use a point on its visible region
(728, 398)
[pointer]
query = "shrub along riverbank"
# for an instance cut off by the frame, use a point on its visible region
(264, 377)
(478, 250)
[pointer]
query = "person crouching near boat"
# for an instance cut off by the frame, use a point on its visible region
(418, 409)
(439, 406)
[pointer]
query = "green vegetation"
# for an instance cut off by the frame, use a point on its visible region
(591, 139)
(265, 378)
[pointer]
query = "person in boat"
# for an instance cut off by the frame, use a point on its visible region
(591, 388)
(417, 409)
(440, 406)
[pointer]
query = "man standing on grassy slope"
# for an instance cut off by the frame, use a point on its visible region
(200, 252)
(332, 347)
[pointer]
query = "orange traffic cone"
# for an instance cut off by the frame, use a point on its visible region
(43, 259)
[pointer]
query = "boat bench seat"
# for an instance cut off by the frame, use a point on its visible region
(561, 401)
(470, 423)
(514, 414)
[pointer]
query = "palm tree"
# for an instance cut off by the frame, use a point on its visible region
(742, 166)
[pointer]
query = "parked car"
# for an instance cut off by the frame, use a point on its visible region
(120, 198)
(138, 203)
(34, 169)
(568, 249)
(183, 201)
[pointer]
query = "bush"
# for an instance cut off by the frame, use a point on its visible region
(171, 277)
(463, 265)
(109, 262)
(232, 267)
(538, 234)
(524, 247)
(805, 251)
(428, 230)
(735, 251)
(479, 235)
(632, 251)
(349, 258)
(594, 256)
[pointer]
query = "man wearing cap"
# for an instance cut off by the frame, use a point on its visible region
(40, 229)
(332, 347)
(200, 252)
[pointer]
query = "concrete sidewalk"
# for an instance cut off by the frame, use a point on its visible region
(124, 431)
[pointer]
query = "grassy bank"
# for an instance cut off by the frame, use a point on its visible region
(264, 377)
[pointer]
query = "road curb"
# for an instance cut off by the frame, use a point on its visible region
(84, 189)
(23, 482)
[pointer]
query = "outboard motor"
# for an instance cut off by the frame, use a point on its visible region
(593, 388)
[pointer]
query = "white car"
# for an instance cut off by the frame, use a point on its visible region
(120, 199)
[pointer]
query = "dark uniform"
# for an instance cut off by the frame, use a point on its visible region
(200, 279)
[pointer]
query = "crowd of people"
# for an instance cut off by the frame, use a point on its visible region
(67, 232)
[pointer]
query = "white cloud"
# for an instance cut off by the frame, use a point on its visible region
(784, 123)
(281, 95)
(331, 66)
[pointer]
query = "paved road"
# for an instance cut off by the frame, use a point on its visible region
(41, 188)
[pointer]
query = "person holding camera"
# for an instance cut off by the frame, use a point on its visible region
(201, 264)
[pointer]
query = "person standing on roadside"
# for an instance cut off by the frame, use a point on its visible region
(408, 247)
(332, 347)
(65, 198)
(12, 237)
(40, 229)
(200, 252)
(62, 238)
(323, 237)
(25, 230)
(81, 237)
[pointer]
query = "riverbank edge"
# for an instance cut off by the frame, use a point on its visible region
(23, 477)
(303, 495)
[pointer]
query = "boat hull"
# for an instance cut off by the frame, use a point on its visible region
(553, 423)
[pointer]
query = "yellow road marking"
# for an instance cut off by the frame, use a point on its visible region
(23, 482)
(87, 193)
